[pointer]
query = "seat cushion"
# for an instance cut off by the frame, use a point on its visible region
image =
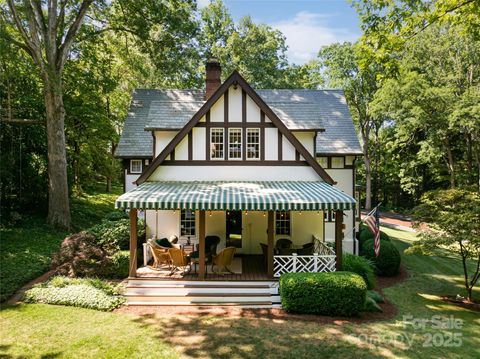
(195, 254)
(164, 242)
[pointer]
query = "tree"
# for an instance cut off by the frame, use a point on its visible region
(341, 65)
(453, 218)
(47, 34)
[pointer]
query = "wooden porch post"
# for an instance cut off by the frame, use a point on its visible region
(271, 235)
(338, 239)
(133, 243)
(201, 245)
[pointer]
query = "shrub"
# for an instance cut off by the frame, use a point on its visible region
(115, 235)
(336, 293)
(365, 235)
(80, 255)
(118, 266)
(85, 293)
(360, 265)
(116, 215)
(388, 261)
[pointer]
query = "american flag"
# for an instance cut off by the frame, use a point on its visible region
(372, 220)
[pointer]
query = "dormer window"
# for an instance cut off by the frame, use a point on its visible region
(217, 143)
(253, 143)
(235, 143)
(135, 166)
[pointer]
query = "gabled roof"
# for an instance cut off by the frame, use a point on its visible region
(235, 78)
(297, 109)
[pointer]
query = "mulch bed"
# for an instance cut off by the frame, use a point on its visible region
(462, 303)
(389, 310)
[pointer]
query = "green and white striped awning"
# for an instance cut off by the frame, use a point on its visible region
(252, 196)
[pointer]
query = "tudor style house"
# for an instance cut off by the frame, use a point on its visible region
(263, 171)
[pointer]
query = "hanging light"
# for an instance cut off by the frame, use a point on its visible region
(264, 213)
(246, 213)
(210, 214)
(300, 212)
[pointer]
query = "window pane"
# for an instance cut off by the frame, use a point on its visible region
(136, 166)
(235, 143)
(282, 223)
(187, 222)
(253, 143)
(216, 143)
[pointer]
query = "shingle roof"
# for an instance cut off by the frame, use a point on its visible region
(298, 109)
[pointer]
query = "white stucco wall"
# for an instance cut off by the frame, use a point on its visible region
(234, 173)
(129, 181)
(162, 139)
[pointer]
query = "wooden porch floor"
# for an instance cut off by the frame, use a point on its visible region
(253, 268)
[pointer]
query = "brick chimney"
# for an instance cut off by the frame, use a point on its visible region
(212, 80)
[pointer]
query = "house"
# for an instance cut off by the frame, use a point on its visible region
(249, 166)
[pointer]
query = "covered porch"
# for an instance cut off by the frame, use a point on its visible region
(257, 197)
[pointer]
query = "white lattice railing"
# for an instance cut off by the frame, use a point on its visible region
(321, 248)
(303, 264)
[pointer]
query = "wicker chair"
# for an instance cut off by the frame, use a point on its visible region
(180, 261)
(160, 254)
(282, 244)
(306, 250)
(223, 259)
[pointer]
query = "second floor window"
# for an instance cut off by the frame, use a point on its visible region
(217, 143)
(253, 143)
(187, 222)
(235, 143)
(135, 166)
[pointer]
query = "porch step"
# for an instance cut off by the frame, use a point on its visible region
(151, 291)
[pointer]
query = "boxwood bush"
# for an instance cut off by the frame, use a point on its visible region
(336, 293)
(85, 293)
(360, 265)
(388, 261)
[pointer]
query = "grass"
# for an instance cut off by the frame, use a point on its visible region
(45, 331)
(26, 248)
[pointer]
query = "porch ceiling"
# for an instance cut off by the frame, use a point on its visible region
(253, 196)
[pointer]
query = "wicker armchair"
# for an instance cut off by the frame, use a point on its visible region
(180, 261)
(160, 254)
(223, 259)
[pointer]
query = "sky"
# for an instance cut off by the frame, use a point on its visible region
(306, 24)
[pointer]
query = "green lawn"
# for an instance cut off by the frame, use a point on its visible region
(50, 331)
(26, 248)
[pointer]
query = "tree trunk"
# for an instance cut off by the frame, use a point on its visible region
(450, 163)
(58, 199)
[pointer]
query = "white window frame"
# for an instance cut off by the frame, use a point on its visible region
(212, 144)
(256, 129)
(136, 161)
(191, 236)
(239, 130)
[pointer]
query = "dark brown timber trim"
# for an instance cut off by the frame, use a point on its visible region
(262, 136)
(297, 155)
(207, 131)
(244, 106)
(190, 145)
(338, 239)
(225, 106)
(235, 124)
(280, 145)
(235, 77)
(172, 155)
(154, 143)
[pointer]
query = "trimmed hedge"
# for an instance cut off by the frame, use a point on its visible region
(85, 293)
(360, 265)
(336, 293)
(388, 261)
(365, 235)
